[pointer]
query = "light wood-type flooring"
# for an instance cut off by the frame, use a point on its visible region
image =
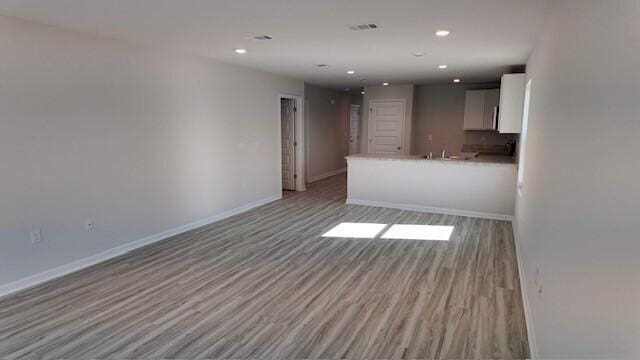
(265, 284)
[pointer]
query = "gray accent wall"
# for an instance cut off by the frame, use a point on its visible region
(439, 112)
(327, 113)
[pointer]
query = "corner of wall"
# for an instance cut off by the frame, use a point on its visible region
(531, 339)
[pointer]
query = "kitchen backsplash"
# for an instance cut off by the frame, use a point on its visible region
(486, 148)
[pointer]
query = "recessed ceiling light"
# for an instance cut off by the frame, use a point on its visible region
(456, 80)
(417, 54)
(443, 32)
(362, 92)
(351, 72)
(241, 51)
(442, 66)
(385, 83)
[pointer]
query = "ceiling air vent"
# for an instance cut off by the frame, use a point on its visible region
(262, 37)
(321, 65)
(363, 27)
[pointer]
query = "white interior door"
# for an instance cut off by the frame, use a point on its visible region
(287, 119)
(386, 126)
(354, 135)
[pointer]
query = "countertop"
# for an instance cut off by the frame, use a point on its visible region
(480, 159)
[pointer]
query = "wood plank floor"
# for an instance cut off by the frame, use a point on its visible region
(266, 284)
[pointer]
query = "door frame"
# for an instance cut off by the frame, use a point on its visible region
(299, 149)
(359, 127)
(370, 123)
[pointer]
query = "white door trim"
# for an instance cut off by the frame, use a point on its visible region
(288, 128)
(300, 148)
(369, 122)
(357, 140)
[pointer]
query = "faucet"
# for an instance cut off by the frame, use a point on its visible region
(444, 153)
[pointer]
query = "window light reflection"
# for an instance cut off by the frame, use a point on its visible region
(396, 231)
(355, 230)
(419, 232)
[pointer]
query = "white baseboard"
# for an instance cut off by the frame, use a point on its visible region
(533, 346)
(431, 209)
(326, 175)
(57, 272)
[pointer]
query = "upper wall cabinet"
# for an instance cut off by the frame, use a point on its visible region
(511, 103)
(491, 102)
(481, 109)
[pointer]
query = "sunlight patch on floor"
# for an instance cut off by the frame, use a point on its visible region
(419, 232)
(355, 230)
(396, 231)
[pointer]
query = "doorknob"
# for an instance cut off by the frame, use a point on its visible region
(398, 147)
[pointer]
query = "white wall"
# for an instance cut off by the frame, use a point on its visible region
(139, 140)
(327, 130)
(578, 217)
(439, 112)
(452, 187)
(391, 92)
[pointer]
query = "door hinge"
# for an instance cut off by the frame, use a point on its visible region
(295, 176)
(295, 109)
(295, 143)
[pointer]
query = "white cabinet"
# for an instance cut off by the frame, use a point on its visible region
(474, 110)
(491, 102)
(480, 109)
(511, 103)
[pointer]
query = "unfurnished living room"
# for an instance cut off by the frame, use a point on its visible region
(335, 179)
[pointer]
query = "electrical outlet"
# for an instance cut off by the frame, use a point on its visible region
(89, 225)
(36, 235)
(430, 137)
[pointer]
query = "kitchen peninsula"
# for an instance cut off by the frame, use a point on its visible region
(483, 186)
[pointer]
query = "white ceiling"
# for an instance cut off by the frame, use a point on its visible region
(487, 36)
